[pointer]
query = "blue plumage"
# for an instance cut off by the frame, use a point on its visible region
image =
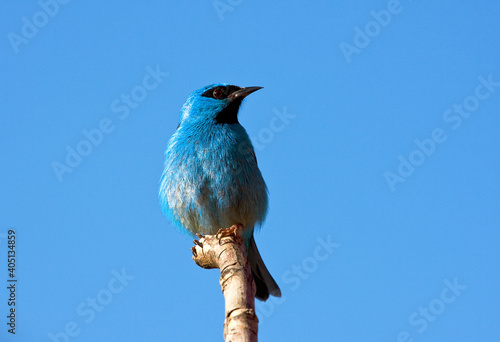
(211, 179)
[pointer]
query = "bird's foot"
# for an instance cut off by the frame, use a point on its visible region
(231, 232)
(207, 250)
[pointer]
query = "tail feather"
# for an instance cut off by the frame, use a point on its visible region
(263, 280)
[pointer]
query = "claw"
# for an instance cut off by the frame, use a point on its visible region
(193, 250)
(199, 235)
(219, 232)
(231, 232)
(196, 242)
(222, 233)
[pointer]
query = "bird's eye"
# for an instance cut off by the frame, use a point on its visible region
(218, 93)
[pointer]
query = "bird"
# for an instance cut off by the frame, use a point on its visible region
(211, 179)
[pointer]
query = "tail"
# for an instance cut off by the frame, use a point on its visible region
(263, 280)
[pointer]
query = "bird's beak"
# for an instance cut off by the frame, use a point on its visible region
(242, 93)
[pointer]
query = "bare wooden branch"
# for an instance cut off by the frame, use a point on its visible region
(226, 251)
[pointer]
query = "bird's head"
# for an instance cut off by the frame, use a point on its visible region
(218, 102)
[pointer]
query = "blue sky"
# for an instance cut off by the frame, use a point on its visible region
(377, 132)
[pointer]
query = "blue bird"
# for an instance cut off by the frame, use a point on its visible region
(211, 179)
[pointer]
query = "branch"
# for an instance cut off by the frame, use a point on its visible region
(226, 251)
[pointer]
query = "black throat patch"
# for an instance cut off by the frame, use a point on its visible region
(229, 115)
